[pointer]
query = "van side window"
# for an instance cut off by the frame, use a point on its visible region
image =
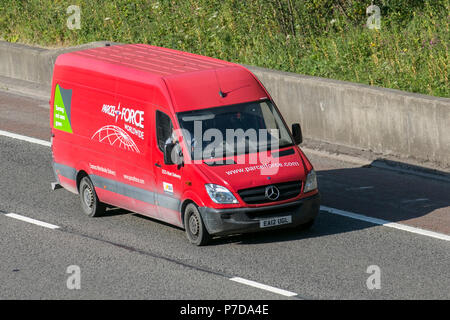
(164, 129)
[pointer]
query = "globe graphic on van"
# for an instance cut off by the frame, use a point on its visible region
(115, 136)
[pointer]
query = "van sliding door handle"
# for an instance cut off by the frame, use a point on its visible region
(158, 165)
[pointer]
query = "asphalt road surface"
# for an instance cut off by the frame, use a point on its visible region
(125, 255)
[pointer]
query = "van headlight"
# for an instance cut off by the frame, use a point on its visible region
(220, 194)
(311, 182)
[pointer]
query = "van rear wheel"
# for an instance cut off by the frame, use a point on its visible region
(195, 228)
(90, 204)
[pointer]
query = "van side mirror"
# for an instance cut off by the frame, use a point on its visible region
(173, 154)
(297, 133)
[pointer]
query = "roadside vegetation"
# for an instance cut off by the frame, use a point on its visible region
(326, 38)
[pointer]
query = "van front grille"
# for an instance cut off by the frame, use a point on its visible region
(257, 195)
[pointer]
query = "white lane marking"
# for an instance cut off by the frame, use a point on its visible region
(386, 223)
(359, 188)
(415, 200)
(25, 138)
(264, 287)
(33, 221)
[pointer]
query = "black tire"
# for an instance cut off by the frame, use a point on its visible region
(194, 226)
(90, 204)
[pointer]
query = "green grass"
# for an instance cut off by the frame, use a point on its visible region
(325, 38)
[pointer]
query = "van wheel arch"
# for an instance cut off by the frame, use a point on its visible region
(183, 209)
(80, 175)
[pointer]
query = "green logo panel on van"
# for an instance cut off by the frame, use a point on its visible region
(61, 109)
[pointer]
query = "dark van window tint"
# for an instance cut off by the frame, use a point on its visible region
(164, 129)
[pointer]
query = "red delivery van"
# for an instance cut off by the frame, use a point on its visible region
(190, 140)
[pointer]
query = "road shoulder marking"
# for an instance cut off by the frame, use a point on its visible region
(263, 287)
(339, 157)
(386, 223)
(25, 138)
(30, 220)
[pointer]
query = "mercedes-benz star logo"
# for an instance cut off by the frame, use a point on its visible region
(272, 193)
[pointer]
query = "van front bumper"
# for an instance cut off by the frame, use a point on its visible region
(243, 220)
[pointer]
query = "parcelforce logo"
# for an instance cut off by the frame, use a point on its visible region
(128, 115)
(133, 119)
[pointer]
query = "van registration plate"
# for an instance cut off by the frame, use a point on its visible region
(272, 222)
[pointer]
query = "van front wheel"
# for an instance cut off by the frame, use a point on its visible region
(195, 228)
(90, 204)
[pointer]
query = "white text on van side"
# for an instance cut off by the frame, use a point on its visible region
(130, 116)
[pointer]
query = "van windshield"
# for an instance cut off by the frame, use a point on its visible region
(233, 130)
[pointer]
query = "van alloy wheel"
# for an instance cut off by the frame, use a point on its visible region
(194, 225)
(90, 203)
(195, 228)
(88, 196)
